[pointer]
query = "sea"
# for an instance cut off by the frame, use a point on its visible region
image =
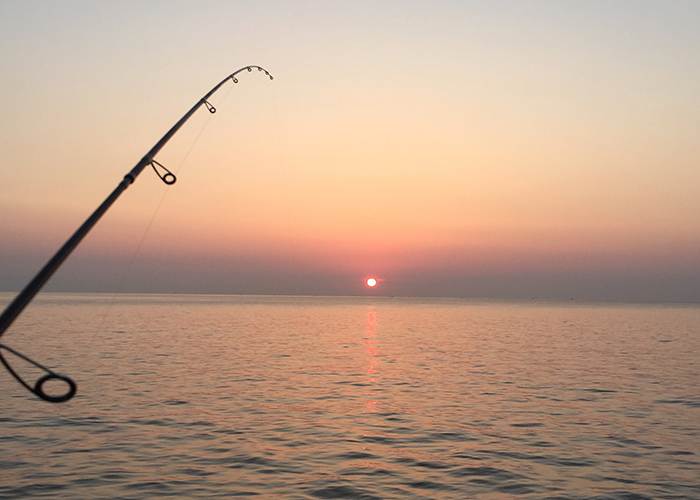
(287, 397)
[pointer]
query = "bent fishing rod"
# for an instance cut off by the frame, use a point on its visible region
(25, 296)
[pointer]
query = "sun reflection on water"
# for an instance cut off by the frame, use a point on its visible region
(372, 360)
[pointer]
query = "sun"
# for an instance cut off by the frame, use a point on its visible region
(371, 282)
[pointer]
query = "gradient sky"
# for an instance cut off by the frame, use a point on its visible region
(509, 149)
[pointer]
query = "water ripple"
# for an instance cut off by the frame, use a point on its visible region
(312, 398)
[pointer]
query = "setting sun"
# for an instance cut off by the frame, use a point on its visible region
(371, 282)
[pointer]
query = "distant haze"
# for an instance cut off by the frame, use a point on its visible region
(539, 149)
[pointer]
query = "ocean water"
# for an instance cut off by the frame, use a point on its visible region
(368, 398)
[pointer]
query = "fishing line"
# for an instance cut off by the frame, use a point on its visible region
(147, 230)
(137, 250)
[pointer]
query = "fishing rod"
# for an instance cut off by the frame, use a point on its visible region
(25, 296)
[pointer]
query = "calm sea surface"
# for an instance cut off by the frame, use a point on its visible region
(185, 396)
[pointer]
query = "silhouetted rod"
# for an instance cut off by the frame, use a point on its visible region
(25, 296)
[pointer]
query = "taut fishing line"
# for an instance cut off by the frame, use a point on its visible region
(137, 249)
(166, 191)
(16, 307)
(147, 230)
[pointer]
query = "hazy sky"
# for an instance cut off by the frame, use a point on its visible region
(524, 149)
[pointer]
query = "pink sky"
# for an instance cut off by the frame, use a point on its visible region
(518, 149)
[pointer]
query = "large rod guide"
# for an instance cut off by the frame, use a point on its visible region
(25, 296)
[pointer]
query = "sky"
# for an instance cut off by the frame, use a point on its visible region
(511, 149)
